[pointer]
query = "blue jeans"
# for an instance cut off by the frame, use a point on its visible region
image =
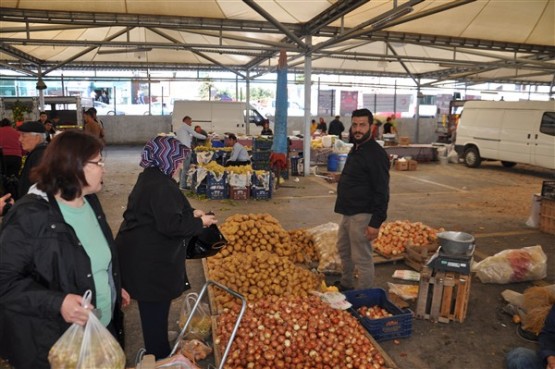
(355, 251)
(523, 358)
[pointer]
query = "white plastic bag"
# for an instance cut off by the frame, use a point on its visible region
(201, 323)
(86, 348)
(514, 265)
(534, 219)
(325, 242)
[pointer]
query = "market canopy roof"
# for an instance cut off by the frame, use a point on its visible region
(461, 40)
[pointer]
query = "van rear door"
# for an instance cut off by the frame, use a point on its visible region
(516, 131)
(543, 142)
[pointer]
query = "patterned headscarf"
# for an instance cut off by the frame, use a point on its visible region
(164, 153)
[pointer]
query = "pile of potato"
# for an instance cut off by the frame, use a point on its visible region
(259, 274)
(247, 233)
(395, 236)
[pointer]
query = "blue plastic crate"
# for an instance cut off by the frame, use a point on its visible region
(258, 191)
(397, 326)
(218, 143)
(259, 156)
(261, 194)
(261, 144)
(260, 165)
(217, 189)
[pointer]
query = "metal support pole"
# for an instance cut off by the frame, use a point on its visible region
(418, 98)
(247, 105)
(307, 103)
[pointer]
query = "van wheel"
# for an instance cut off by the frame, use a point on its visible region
(508, 164)
(472, 158)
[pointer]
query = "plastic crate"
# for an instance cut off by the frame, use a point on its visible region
(258, 192)
(218, 143)
(260, 156)
(239, 193)
(261, 144)
(217, 189)
(260, 165)
(548, 189)
(261, 194)
(397, 326)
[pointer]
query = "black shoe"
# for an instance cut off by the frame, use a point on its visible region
(527, 335)
(341, 288)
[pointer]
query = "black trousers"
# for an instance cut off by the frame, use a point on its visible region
(154, 321)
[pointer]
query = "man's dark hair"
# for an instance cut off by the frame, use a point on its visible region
(363, 113)
(185, 118)
(232, 136)
(5, 122)
(43, 112)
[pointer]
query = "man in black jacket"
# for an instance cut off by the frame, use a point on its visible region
(362, 199)
(33, 141)
(336, 127)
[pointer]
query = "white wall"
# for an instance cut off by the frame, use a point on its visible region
(130, 129)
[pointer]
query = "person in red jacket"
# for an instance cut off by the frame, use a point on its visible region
(11, 148)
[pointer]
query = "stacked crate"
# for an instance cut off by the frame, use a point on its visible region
(261, 150)
(547, 210)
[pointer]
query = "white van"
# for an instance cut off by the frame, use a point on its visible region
(217, 116)
(512, 132)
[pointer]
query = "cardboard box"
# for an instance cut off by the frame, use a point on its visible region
(401, 165)
(412, 164)
(404, 141)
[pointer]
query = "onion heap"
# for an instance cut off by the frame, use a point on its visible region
(395, 236)
(374, 312)
(303, 246)
(247, 233)
(258, 275)
(296, 333)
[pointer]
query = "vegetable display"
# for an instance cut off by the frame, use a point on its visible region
(296, 333)
(395, 236)
(259, 274)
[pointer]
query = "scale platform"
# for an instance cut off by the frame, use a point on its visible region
(442, 261)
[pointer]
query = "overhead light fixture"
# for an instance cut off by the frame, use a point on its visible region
(124, 51)
(396, 14)
(41, 85)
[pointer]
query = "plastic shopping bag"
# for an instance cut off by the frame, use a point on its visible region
(201, 324)
(89, 347)
(513, 265)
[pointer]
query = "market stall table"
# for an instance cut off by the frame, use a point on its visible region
(418, 152)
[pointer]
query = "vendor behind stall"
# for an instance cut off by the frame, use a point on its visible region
(239, 155)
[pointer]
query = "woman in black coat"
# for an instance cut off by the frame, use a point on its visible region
(55, 244)
(151, 239)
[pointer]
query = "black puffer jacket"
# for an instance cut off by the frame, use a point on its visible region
(41, 261)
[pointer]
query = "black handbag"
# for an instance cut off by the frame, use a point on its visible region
(208, 243)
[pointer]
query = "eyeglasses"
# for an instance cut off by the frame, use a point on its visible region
(100, 163)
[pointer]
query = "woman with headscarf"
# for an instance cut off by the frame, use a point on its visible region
(150, 241)
(55, 244)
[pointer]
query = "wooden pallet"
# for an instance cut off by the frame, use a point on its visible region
(382, 259)
(442, 296)
(417, 256)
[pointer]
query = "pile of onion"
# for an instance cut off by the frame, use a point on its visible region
(296, 333)
(395, 236)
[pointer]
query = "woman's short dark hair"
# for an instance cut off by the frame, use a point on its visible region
(61, 166)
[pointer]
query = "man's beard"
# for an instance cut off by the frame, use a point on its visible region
(364, 138)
